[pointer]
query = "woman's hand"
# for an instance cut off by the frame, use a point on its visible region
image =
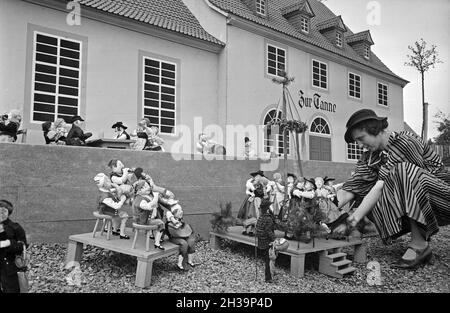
(353, 219)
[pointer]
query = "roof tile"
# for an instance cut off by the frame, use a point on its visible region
(277, 22)
(169, 14)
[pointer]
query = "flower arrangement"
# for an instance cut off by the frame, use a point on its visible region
(291, 125)
(223, 219)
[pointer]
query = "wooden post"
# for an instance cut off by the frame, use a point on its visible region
(74, 251)
(298, 265)
(144, 272)
(360, 253)
(214, 242)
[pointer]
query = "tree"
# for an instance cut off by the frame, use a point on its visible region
(444, 129)
(423, 59)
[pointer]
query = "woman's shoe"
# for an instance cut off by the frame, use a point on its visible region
(159, 247)
(124, 237)
(422, 257)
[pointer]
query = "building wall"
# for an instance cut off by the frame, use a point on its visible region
(251, 93)
(112, 77)
(54, 194)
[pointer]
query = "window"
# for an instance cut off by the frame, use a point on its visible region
(382, 94)
(320, 140)
(367, 52)
(56, 78)
(269, 142)
(320, 126)
(304, 24)
(159, 92)
(354, 152)
(339, 39)
(319, 74)
(261, 7)
(276, 60)
(354, 86)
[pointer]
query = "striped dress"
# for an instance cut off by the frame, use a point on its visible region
(416, 186)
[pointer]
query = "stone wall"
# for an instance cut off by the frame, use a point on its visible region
(53, 192)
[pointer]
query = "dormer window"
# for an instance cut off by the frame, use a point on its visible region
(367, 52)
(339, 39)
(360, 42)
(304, 22)
(332, 29)
(299, 15)
(261, 7)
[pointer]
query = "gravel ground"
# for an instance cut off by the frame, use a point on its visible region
(232, 269)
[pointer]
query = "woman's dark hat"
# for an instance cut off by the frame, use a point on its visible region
(357, 117)
(76, 118)
(257, 173)
(119, 124)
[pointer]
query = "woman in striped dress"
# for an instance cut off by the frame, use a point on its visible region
(400, 183)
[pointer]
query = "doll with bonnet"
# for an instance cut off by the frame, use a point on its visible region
(110, 203)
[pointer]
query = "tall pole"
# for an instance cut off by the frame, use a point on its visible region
(285, 131)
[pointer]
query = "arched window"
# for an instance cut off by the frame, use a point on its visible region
(320, 126)
(278, 144)
(320, 140)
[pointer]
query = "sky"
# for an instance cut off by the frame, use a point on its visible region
(401, 23)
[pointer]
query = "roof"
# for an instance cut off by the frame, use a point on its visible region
(301, 6)
(361, 36)
(332, 22)
(172, 15)
(275, 21)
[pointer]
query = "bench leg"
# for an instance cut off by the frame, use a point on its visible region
(214, 242)
(147, 240)
(298, 265)
(74, 252)
(95, 228)
(109, 225)
(104, 223)
(144, 273)
(135, 238)
(360, 254)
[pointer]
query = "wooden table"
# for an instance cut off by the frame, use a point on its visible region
(298, 250)
(110, 143)
(144, 259)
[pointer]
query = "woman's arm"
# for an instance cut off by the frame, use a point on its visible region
(368, 203)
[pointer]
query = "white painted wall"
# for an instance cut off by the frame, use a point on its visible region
(112, 69)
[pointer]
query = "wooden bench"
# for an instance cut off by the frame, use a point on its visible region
(144, 259)
(297, 251)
